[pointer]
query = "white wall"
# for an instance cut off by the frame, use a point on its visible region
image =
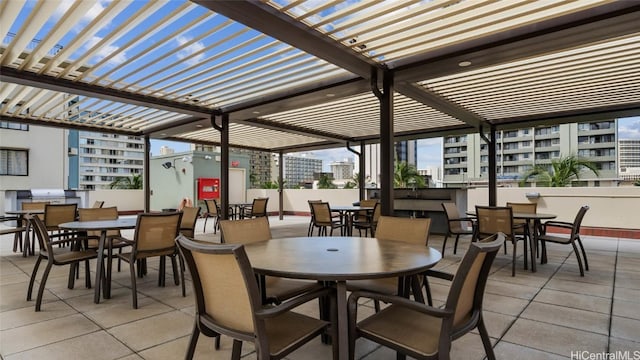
(295, 200)
(48, 165)
(609, 207)
(125, 200)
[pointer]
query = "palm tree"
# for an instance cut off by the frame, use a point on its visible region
(561, 172)
(325, 182)
(127, 182)
(406, 175)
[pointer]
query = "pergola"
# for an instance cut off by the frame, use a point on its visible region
(287, 75)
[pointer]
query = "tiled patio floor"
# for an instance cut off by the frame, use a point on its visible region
(544, 315)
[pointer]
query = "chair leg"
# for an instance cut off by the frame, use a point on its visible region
(193, 341)
(161, 271)
(134, 290)
(236, 350)
(427, 290)
(455, 245)
(584, 254)
(486, 342)
(184, 291)
(42, 284)
(217, 343)
(87, 275)
(444, 243)
(575, 250)
(513, 264)
(33, 278)
(174, 266)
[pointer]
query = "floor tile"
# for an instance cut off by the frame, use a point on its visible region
(569, 317)
(555, 339)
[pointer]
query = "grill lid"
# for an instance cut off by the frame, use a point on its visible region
(47, 193)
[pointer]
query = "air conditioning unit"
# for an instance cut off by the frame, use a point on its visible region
(72, 151)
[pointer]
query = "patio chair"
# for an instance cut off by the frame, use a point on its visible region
(257, 209)
(155, 235)
(55, 214)
(521, 228)
(114, 238)
(274, 289)
(414, 231)
(312, 219)
(15, 230)
(98, 204)
(57, 256)
(456, 225)
(212, 212)
(369, 220)
(37, 206)
(228, 303)
(322, 219)
(494, 219)
(424, 332)
(572, 238)
(188, 223)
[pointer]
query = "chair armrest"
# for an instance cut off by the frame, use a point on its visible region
(558, 224)
(439, 274)
(293, 303)
(120, 238)
(400, 301)
(464, 219)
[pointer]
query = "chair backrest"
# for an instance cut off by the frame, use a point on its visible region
(245, 231)
(529, 208)
(578, 220)
(259, 207)
(93, 214)
(312, 202)
(366, 203)
(321, 212)
(36, 205)
(414, 231)
(224, 283)
(156, 231)
(494, 219)
(189, 218)
(55, 214)
(451, 212)
(212, 209)
(44, 241)
(467, 288)
(377, 211)
(98, 204)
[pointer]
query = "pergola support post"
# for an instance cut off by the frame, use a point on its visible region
(386, 142)
(491, 144)
(146, 174)
(281, 185)
(223, 127)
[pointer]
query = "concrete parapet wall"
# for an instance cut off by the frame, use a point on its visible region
(609, 207)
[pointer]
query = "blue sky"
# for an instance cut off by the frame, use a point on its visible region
(429, 150)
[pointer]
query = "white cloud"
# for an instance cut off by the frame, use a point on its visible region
(429, 153)
(629, 128)
(187, 52)
(106, 50)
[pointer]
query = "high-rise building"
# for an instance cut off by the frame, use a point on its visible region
(300, 169)
(342, 169)
(629, 159)
(101, 158)
(466, 157)
(404, 151)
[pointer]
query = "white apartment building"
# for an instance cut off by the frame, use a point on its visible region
(466, 157)
(342, 169)
(629, 159)
(101, 158)
(298, 169)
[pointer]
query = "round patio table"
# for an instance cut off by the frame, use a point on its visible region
(339, 259)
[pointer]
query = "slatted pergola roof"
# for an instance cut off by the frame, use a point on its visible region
(294, 75)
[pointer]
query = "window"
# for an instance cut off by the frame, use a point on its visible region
(13, 126)
(14, 162)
